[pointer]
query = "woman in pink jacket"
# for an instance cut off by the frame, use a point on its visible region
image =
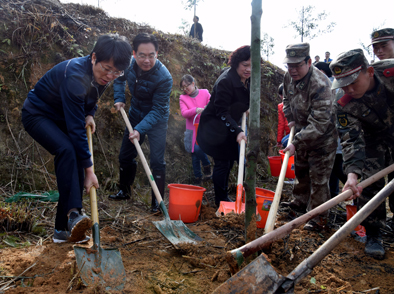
(192, 104)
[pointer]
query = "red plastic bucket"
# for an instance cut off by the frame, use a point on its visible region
(290, 174)
(351, 210)
(275, 165)
(185, 202)
(196, 128)
(264, 200)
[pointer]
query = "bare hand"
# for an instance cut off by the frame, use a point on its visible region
(351, 183)
(89, 121)
(279, 145)
(291, 124)
(199, 110)
(119, 105)
(90, 179)
(290, 148)
(134, 135)
(241, 136)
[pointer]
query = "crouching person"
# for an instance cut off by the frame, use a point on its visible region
(56, 113)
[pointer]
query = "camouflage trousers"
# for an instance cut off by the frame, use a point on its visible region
(313, 169)
(375, 153)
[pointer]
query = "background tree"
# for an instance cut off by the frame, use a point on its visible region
(267, 45)
(184, 27)
(307, 25)
(188, 5)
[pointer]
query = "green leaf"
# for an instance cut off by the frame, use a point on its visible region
(323, 287)
(313, 280)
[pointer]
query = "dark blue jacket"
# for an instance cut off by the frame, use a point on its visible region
(67, 93)
(150, 95)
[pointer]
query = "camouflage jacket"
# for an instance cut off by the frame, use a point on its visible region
(366, 120)
(308, 103)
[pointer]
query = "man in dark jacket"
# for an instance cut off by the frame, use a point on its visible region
(199, 29)
(150, 86)
(56, 113)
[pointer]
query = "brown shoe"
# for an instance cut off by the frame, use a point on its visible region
(294, 206)
(314, 226)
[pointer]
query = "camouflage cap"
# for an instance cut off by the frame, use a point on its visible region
(347, 67)
(296, 52)
(382, 35)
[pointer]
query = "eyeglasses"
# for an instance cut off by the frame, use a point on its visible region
(111, 72)
(185, 87)
(296, 67)
(144, 57)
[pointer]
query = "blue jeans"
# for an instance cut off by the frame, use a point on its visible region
(199, 156)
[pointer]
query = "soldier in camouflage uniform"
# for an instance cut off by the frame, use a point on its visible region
(383, 43)
(307, 105)
(365, 122)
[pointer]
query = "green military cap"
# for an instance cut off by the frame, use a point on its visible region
(347, 67)
(296, 52)
(382, 35)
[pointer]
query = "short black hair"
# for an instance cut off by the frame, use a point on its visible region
(280, 89)
(115, 47)
(188, 79)
(239, 55)
(145, 38)
(324, 67)
(328, 52)
(197, 17)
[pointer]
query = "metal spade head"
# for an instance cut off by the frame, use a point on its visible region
(100, 266)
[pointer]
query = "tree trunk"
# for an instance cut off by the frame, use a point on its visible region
(195, 24)
(253, 145)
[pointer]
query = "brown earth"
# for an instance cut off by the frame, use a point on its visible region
(36, 35)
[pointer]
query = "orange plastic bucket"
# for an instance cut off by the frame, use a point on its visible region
(351, 210)
(264, 200)
(290, 174)
(185, 202)
(275, 165)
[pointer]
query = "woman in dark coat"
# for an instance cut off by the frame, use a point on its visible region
(219, 132)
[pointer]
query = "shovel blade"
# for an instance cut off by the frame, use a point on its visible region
(227, 207)
(176, 232)
(101, 266)
(257, 277)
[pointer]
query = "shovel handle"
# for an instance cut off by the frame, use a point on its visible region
(92, 192)
(265, 240)
(143, 159)
(269, 225)
(241, 164)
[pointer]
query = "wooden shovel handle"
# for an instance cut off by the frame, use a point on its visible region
(92, 192)
(142, 157)
(269, 225)
(241, 164)
(267, 239)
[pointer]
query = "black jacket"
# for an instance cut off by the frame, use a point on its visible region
(220, 121)
(199, 31)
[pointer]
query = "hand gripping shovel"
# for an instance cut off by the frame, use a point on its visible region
(269, 225)
(260, 277)
(238, 255)
(175, 231)
(96, 264)
(237, 207)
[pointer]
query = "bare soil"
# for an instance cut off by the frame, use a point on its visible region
(154, 265)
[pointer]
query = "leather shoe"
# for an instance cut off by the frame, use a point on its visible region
(314, 226)
(294, 206)
(374, 247)
(119, 196)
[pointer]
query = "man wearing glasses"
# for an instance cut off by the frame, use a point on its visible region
(307, 101)
(150, 85)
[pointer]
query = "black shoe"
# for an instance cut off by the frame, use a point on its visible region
(374, 247)
(155, 207)
(119, 196)
(197, 181)
(314, 226)
(77, 225)
(294, 206)
(207, 173)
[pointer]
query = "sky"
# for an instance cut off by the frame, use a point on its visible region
(227, 24)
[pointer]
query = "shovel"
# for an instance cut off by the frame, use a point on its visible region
(96, 264)
(269, 225)
(260, 277)
(238, 207)
(175, 231)
(238, 255)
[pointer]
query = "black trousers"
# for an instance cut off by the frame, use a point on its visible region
(53, 136)
(220, 175)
